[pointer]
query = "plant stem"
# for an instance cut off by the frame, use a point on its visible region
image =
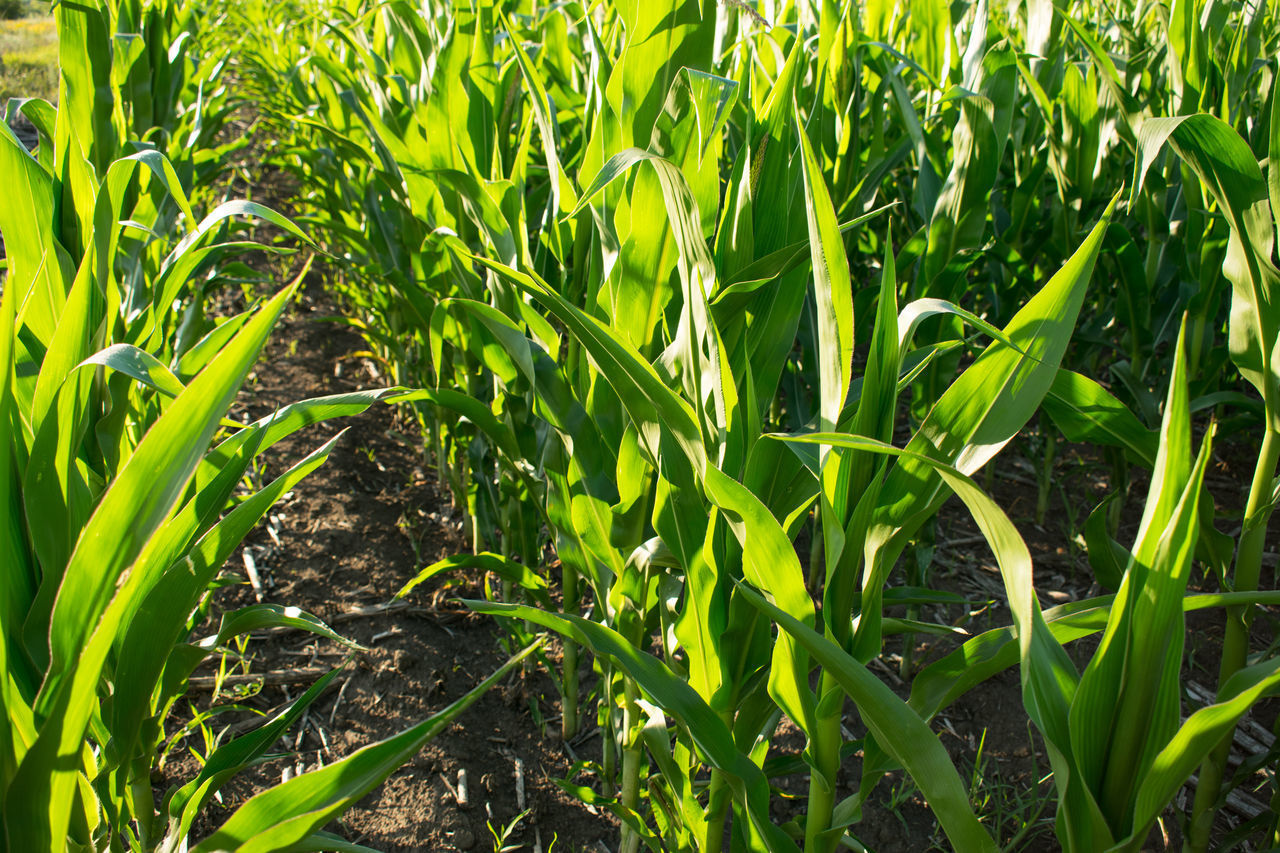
(569, 713)
(1235, 643)
(1044, 486)
(824, 760)
(917, 575)
(718, 800)
(609, 739)
(1196, 345)
(909, 645)
(817, 556)
(442, 461)
(1120, 476)
(631, 756)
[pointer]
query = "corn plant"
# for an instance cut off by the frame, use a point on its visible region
(1222, 162)
(686, 444)
(119, 483)
(624, 247)
(1115, 779)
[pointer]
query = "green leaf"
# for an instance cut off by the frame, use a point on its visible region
(1229, 170)
(27, 220)
(832, 289)
(654, 408)
(17, 586)
(1197, 737)
(1133, 681)
(975, 417)
(992, 652)
(259, 617)
(185, 569)
(89, 607)
(503, 567)
(1086, 412)
(1107, 556)
(138, 364)
(1048, 676)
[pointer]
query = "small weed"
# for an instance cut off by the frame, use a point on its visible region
(1008, 806)
(500, 836)
(900, 793)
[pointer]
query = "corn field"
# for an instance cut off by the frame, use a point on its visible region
(701, 313)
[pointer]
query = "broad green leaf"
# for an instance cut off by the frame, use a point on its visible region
(1087, 412)
(86, 616)
(831, 286)
(287, 420)
(769, 562)
(1196, 738)
(733, 293)
(138, 364)
(981, 411)
(27, 222)
(991, 652)
(1145, 630)
(1229, 171)
(501, 566)
(561, 189)
(259, 617)
(138, 499)
(1107, 557)
(653, 407)
(17, 587)
(1048, 675)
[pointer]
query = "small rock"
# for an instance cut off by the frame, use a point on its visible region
(464, 840)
